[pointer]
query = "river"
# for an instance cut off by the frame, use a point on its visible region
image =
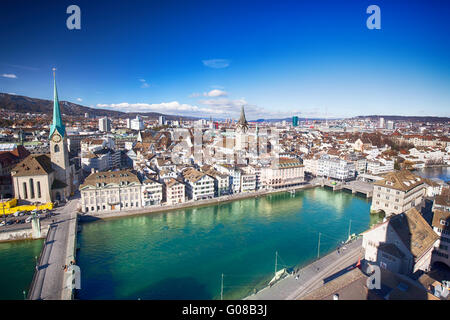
(182, 254)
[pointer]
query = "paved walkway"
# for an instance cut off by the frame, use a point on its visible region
(48, 282)
(311, 276)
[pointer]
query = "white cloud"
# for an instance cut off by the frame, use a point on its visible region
(212, 93)
(144, 83)
(79, 99)
(216, 93)
(216, 63)
(9, 75)
(173, 107)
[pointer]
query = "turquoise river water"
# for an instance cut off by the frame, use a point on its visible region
(182, 254)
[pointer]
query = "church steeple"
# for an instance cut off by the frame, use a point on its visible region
(242, 123)
(57, 123)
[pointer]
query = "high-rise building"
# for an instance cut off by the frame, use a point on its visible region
(294, 121)
(137, 124)
(86, 115)
(104, 124)
(390, 125)
(128, 123)
(381, 125)
(162, 120)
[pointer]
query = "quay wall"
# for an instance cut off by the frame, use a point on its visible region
(21, 234)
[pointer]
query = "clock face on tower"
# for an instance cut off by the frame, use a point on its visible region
(56, 138)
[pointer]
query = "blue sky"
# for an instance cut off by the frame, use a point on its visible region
(202, 58)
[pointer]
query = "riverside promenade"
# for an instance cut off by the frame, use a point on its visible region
(50, 280)
(313, 275)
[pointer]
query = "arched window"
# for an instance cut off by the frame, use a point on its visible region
(25, 193)
(38, 189)
(56, 148)
(31, 188)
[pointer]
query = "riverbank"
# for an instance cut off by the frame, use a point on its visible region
(313, 275)
(106, 215)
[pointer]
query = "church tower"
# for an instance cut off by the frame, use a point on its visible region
(241, 138)
(59, 154)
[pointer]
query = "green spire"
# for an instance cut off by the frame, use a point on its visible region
(57, 123)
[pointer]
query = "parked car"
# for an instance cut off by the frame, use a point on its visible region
(2, 223)
(28, 220)
(16, 214)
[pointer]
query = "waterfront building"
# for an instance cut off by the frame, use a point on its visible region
(221, 181)
(335, 168)
(111, 190)
(152, 192)
(397, 192)
(380, 166)
(311, 164)
(285, 172)
(198, 184)
(402, 244)
(42, 177)
(175, 191)
(248, 182)
(441, 225)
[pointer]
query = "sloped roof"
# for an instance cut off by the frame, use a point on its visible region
(439, 215)
(35, 164)
(402, 180)
(415, 233)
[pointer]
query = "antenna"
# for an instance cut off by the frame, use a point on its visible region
(318, 248)
(276, 256)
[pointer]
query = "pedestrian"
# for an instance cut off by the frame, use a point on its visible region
(296, 277)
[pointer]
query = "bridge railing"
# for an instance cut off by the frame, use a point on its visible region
(38, 263)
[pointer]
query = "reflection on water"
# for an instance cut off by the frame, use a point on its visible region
(182, 254)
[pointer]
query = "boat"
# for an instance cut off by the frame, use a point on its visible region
(278, 276)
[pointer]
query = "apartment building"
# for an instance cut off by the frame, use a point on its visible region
(111, 190)
(152, 192)
(336, 168)
(380, 166)
(397, 192)
(198, 185)
(285, 172)
(175, 191)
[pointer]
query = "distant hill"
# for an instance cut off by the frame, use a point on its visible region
(406, 118)
(23, 104)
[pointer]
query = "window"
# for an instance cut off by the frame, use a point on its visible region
(38, 189)
(31, 188)
(25, 193)
(56, 148)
